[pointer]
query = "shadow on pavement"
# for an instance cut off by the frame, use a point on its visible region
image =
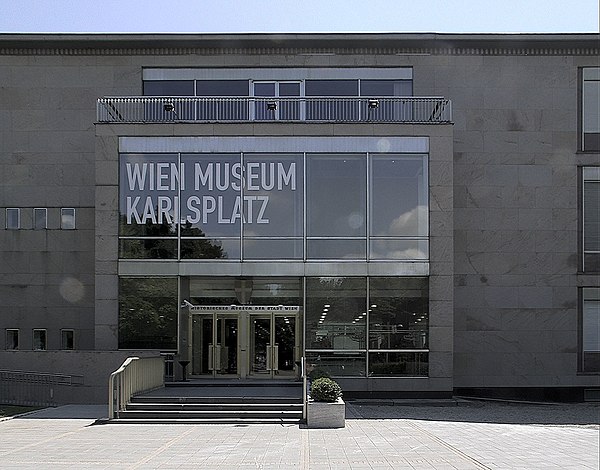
(483, 412)
(88, 412)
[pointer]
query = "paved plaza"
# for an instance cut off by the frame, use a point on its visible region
(463, 435)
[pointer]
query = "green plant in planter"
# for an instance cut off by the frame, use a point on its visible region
(318, 374)
(325, 389)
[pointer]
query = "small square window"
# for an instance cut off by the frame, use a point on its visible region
(13, 218)
(67, 218)
(66, 339)
(40, 218)
(39, 340)
(12, 339)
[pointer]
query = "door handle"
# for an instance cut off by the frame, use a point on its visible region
(276, 357)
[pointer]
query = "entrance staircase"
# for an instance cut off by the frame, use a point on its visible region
(217, 402)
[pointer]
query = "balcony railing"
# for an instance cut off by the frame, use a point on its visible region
(136, 109)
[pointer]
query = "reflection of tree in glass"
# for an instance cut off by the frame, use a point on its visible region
(166, 246)
(148, 313)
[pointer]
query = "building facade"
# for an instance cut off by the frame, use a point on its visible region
(415, 214)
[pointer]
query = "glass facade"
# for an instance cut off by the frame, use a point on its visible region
(393, 313)
(148, 313)
(262, 206)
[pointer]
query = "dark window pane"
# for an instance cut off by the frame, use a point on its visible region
(222, 88)
(148, 248)
(331, 88)
(591, 215)
(148, 313)
(591, 141)
(407, 364)
(264, 89)
(206, 248)
(385, 88)
(337, 363)
(336, 313)
(169, 88)
(289, 89)
(398, 313)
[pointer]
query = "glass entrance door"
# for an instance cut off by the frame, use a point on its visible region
(272, 345)
(214, 345)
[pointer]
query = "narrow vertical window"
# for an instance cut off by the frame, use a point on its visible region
(66, 339)
(40, 218)
(591, 219)
(12, 339)
(67, 218)
(13, 218)
(39, 340)
(590, 330)
(590, 109)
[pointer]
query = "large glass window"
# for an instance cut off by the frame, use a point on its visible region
(399, 230)
(149, 184)
(591, 219)
(590, 330)
(253, 206)
(148, 313)
(336, 206)
(394, 311)
(590, 109)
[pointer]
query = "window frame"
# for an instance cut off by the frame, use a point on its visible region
(582, 212)
(581, 369)
(14, 330)
(37, 210)
(62, 339)
(18, 212)
(45, 339)
(62, 222)
(581, 114)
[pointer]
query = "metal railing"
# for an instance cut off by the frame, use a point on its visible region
(34, 388)
(304, 377)
(142, 109)
(136, 375)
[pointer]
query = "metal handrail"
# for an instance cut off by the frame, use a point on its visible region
(136, 375)
(304, 387)
(161, 109)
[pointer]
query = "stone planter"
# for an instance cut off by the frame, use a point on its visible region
(323, 415)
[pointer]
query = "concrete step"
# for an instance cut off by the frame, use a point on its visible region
(228, 421)
(270, 400)
(174, 406)
(186, 415)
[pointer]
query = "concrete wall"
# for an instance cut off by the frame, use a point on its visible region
(513, 258)
(90, 371)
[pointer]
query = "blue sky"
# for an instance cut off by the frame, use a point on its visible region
(229, 16)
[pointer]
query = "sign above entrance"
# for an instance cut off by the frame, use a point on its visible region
(241, 308)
